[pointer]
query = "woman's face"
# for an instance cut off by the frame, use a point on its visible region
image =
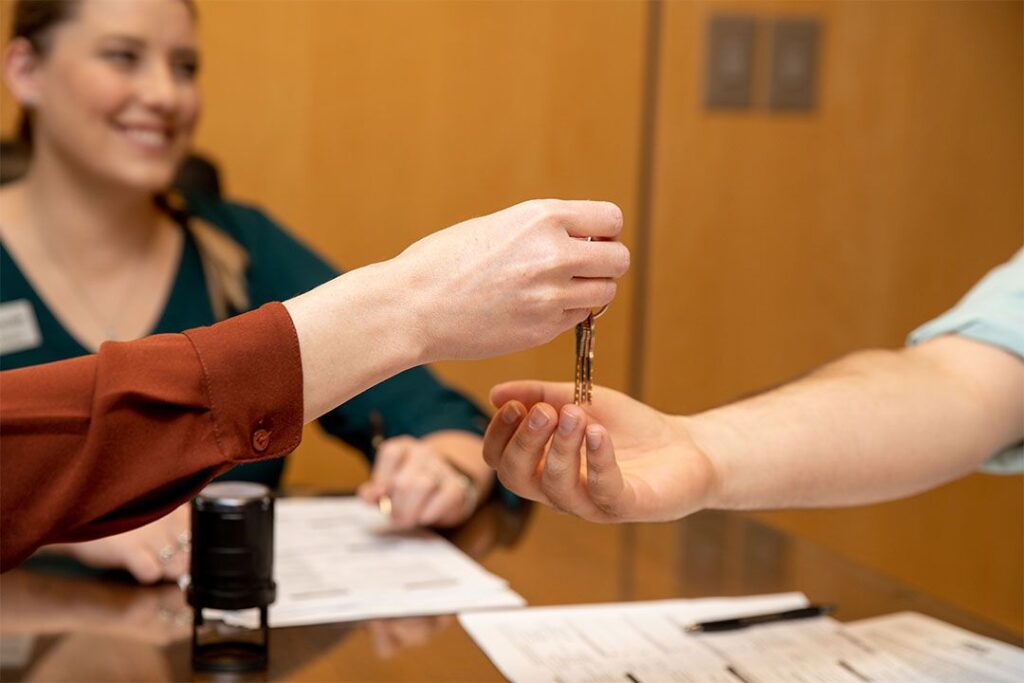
(116, 94)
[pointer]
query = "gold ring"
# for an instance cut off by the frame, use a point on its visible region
(384, 505)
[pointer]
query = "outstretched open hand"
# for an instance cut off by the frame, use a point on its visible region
(616, 460)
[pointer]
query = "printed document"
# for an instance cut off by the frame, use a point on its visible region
(336, 559)
(647, 642)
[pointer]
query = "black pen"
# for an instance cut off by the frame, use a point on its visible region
(376, 439)
(743, 622)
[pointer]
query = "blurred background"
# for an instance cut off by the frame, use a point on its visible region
(799, 180)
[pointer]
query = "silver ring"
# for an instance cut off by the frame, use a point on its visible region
(185, 540)
(165, 554)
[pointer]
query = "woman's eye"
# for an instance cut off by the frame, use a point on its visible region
(186, 70)
(122, 58)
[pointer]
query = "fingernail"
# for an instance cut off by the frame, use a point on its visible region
(510, 413)
(568, 421)
(593, 438)
(538, 418)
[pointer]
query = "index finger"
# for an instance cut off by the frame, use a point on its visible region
(528, 392)
(503, 425)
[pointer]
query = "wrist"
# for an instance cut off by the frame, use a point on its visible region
(706, 436)
(414, 292)
(354, 332)
(396, 294)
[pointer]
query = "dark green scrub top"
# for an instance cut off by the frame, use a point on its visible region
(280, 267)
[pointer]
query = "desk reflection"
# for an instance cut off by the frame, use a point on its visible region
(61, 627)
(60, 621)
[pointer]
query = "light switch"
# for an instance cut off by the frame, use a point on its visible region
(794, 65)
(730, 62)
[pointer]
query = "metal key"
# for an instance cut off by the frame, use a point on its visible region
(583, 392)
(584, 352)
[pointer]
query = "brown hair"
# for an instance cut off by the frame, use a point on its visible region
(35, 21)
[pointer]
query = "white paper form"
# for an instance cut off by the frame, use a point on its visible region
(335, 559)
(642, 642)
(939, 651)
(804, 650)
(646, 642)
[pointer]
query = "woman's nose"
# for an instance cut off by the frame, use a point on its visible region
(158, 88)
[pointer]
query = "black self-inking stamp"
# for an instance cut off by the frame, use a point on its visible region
(231, 572)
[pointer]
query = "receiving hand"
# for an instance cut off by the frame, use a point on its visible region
(423, 488)
(159, 550)
(513, 279)
(653, 472)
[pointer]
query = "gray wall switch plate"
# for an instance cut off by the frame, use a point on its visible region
(730, 62)
(794, 72)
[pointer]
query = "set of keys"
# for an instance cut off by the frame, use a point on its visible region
(583, 392)
(585, 356)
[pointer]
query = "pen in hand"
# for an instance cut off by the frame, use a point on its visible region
(376, 439)
(743, 622)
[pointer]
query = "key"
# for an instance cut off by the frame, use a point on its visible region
(583, 392)
(583, 350)
(584, 381)
(588, 358)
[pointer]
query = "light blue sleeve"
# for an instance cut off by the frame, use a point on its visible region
(993, 313)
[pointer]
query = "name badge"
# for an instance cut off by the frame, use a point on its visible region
(19, 329)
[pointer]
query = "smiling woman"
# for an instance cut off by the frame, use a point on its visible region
(115, 81)
(95, 248)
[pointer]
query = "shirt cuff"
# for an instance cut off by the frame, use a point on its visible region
(253, 381)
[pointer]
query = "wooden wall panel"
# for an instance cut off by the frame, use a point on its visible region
(784, 240)
(365, 126)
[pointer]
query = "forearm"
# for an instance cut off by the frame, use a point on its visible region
(353, 333)
(100, 444)
(97, 445)
(872, 426)
(107, 436)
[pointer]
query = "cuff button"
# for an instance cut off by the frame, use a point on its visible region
(260, 440)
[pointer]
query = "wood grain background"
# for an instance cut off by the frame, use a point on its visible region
(778, 241)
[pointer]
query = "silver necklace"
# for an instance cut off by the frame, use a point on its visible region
(109, 324)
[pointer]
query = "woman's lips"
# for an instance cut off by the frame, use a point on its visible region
(148, 138)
